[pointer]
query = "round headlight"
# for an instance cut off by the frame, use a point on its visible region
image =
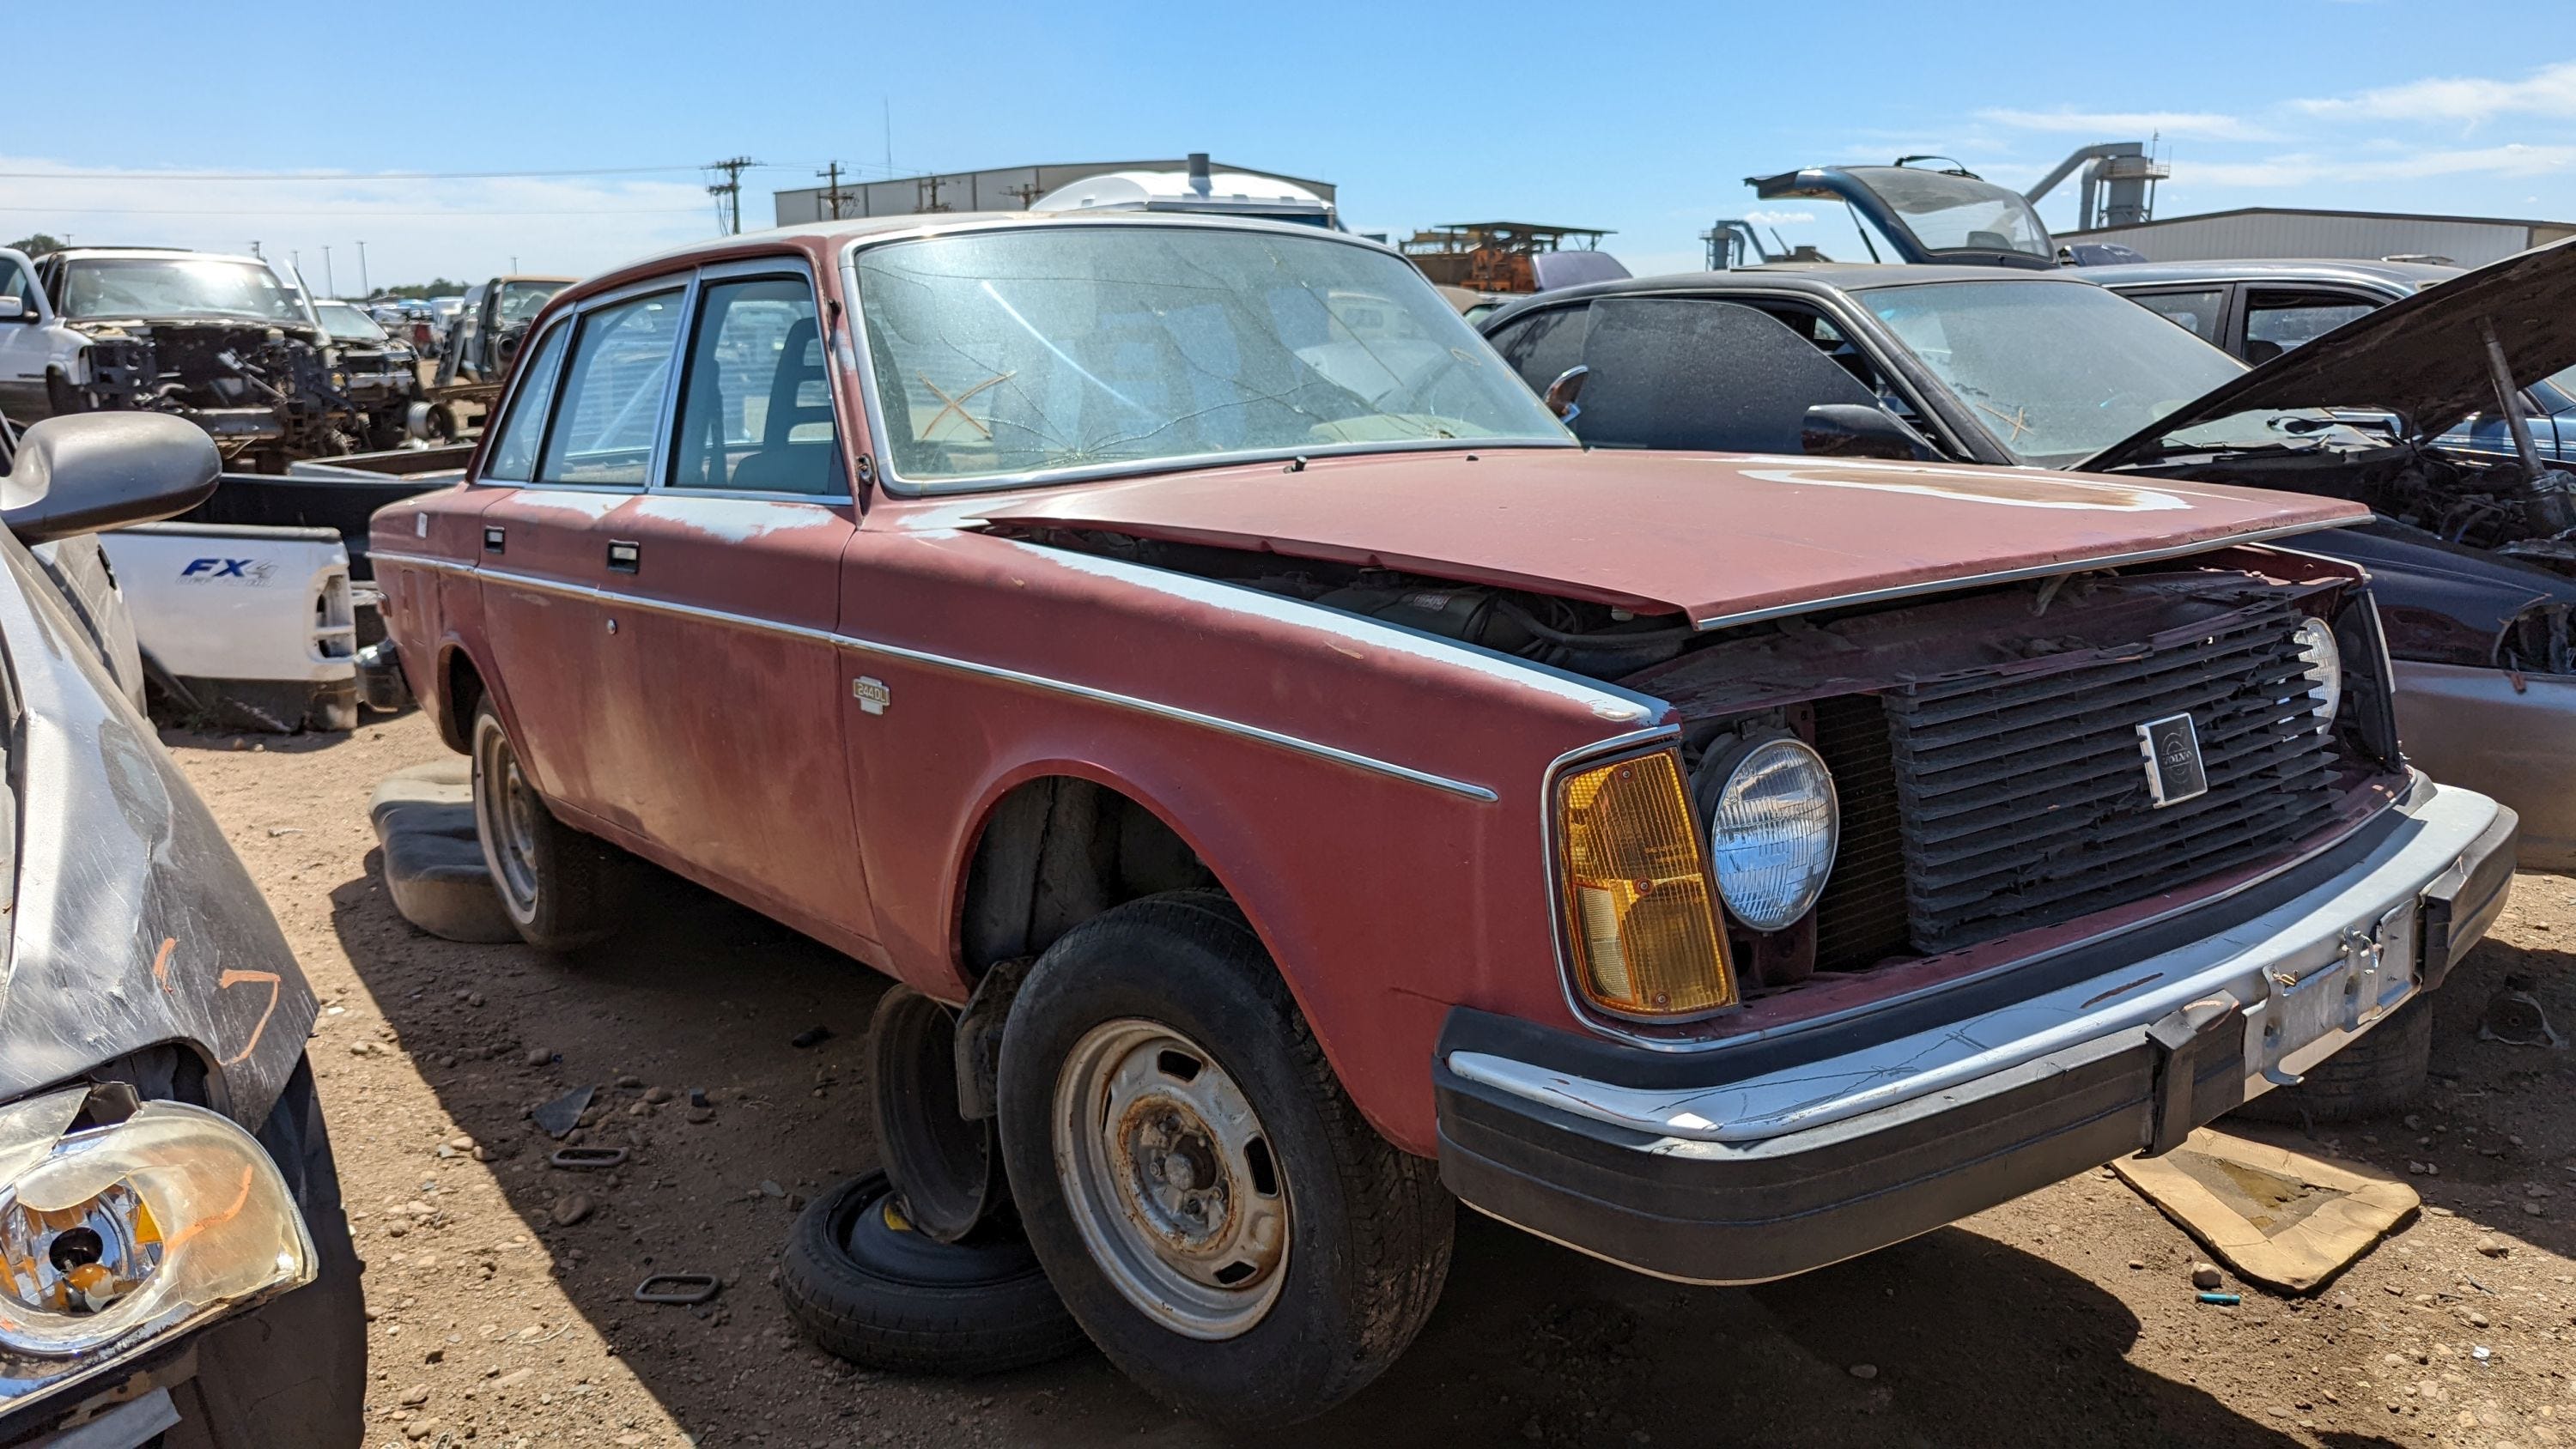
(1772, 833)
(2325, 669)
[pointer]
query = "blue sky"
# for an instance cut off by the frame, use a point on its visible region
(1640, 118)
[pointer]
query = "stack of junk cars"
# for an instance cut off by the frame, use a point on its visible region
(1731, 773)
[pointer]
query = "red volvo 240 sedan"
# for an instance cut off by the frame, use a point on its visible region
(1325, 788)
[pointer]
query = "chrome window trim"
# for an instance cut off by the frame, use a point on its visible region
(782, 264)
(855, 315)
(2006, 576)
(1295, 744)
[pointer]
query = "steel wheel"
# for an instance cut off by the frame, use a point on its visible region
(506, 808)
(1170, 1179)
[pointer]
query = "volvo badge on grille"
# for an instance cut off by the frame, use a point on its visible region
(2174, 770)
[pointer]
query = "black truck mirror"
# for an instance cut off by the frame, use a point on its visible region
(1859, 430)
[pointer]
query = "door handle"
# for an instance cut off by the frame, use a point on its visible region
(494, 539)
(625, 557)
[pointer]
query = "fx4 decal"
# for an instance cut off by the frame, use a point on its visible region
(250, 571)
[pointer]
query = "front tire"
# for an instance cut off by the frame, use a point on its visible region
(1203, 1193)
(562, 889)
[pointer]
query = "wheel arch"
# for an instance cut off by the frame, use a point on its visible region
(1355, 1020)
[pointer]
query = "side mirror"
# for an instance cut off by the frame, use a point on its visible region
(1859, 430)
(92, 471)
(14, 309)
(1560, 394)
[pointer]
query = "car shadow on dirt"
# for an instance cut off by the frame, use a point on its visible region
(1965, 1340)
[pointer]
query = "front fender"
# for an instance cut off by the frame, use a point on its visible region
(1371, 796)
(133, 923)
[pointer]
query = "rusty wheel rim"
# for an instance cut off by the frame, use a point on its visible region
(1170, 1177)
(504, 816)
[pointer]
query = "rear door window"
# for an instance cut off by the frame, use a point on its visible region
(755, 410)
(2199, 312)
(514, 447)
(613, 388)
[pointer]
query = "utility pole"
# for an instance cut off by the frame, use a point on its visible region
(927, 189)
(329, 288)
(833, 195)
(728, 192)
(363, 289)
(254, 248)
(1027, 192)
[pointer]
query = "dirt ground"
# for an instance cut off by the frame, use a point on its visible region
(500, 1289)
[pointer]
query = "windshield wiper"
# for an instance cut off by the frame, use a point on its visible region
(2172, 449)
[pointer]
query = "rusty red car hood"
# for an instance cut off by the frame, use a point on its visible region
(1723, 538)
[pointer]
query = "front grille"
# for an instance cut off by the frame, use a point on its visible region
(1860, 915)
(2025, 799)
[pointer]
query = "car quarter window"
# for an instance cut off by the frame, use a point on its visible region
(2276, 321)
(755, 410)
(514, 447)
(2198, 312)
(613, 386)
(1541, 346)
(14, 281)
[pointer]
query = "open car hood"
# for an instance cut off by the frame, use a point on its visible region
(1720, 538)
(2424, 356)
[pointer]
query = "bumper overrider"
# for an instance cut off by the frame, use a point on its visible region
(1777, 1153)
(125, 1227)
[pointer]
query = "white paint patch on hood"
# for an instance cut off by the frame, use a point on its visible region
(2007, 487)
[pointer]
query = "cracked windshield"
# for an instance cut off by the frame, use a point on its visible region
(2057, 373)
(1031, 351)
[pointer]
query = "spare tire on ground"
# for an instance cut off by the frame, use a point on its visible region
(2383, 1072)
(434, 867)
(867, 1287)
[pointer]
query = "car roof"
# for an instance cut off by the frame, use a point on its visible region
(856, 228)
(2407, 275)
(1810, 278)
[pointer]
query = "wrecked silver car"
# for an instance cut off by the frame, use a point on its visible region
(173, 1256)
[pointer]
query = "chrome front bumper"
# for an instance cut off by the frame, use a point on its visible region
(1772, 1155)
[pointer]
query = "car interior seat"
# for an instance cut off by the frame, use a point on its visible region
(786, 464)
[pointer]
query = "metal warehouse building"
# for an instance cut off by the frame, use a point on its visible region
(1006, 188)
(2271, 231)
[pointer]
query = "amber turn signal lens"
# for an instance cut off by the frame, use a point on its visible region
(1638, 909)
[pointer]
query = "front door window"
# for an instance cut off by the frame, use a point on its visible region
(755, 411)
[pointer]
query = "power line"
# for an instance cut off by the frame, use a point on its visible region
(337, 211)
(350, 176)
